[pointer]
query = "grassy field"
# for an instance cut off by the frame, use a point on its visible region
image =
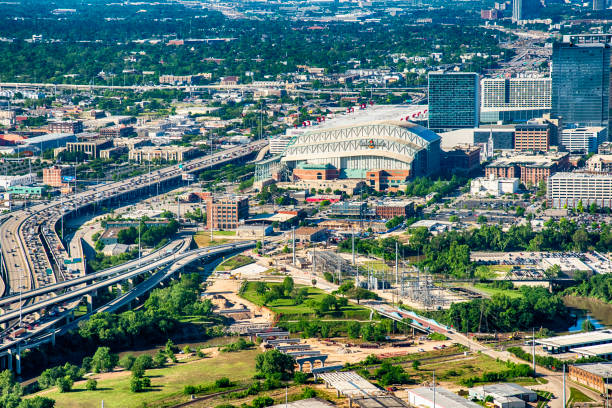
(454, 369)
(577, 396)
(379, 266)
(224, 233)
(511, 293)
(235, 262)
(492, 271)
(289, 310)
(202, 239)
(167, 383)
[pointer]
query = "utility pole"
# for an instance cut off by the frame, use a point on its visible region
(434, 389)
(396, 265)
(139, 247)
(563, 385)
(353, 240)
(533, 349)
(293, 242)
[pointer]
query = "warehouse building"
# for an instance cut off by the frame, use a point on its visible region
(597, 376)
(563, 344)
(505, 395)
(424, 398)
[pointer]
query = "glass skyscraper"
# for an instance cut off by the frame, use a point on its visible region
(453, 101)
(581, 83)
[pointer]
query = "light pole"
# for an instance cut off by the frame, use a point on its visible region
(139, 246)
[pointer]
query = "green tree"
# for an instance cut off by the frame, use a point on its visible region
(64, 384)
(91, 384)
(288, 285)
(587, 325)
(103, 360)
(274, 362)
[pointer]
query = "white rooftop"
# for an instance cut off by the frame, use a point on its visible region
(372, 113)
(444, 398)
(594, 351)
(578, 339)
(603, 370)
(350, 383)
(307, 403)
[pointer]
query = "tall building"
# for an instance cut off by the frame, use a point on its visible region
(453, 100)
(225, 212)
(581, 83)
(521, 93)
(514, 100)
(599, 5)
(525, 9)
(53, 176)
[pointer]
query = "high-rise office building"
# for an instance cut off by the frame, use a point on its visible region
(525, 9)
(453, 100)
(581, 83)
(521, 93)
(514, 100)
(599, 5)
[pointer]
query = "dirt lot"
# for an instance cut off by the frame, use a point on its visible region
(339, 353)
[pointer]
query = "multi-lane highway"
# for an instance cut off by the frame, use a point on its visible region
(79, 292)
(27, 235)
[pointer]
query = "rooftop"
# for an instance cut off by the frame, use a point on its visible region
(48, 137)
(578, 175)
(379, 114)
(603, 370)
(503, 389)
(444, 398)
(351, 384)
(306, 403)
(530, 160)
(577, 339)
(593, 351)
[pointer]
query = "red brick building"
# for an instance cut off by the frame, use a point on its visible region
(530, 169)
(534, 137)
(391, 180)
(315, 172)
(225, 212)
(390, 209)
(52, 176)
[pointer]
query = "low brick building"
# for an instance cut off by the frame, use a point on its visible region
(310, 234)
(390, 209)
(597, 376)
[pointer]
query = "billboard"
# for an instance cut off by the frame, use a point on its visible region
(188, 177)
(68, 179)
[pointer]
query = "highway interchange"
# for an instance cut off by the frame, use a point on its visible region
(26, 236)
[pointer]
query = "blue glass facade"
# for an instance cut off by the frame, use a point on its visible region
(453, 101)
(581, 83)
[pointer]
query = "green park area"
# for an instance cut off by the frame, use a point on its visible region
(167, 384)
(301, 301)
(492, 290)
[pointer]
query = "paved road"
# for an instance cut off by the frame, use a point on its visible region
(23, 250)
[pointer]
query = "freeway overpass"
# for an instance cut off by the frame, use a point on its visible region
(128, 274)
(177, 246)
(11, 348)
(44, 217)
